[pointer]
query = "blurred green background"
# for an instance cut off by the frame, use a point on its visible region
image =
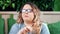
(44, 5)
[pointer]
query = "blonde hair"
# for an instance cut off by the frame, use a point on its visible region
(36, 12)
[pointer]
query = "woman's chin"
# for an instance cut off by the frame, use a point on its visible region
(27, 19)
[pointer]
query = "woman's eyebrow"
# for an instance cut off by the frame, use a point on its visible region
(25, 9)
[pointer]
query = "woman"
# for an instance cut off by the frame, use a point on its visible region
(29, 22)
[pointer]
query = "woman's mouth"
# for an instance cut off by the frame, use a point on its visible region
(26, 16)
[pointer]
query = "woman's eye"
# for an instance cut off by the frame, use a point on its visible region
(29, 10)
(23, 10)
(26, 10)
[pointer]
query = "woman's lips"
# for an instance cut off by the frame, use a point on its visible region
(26, 16)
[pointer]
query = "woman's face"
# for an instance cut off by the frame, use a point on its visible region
(27, 13)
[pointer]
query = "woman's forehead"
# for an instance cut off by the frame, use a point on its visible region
(27, 6)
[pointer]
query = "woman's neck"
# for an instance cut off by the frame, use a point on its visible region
(28, 23)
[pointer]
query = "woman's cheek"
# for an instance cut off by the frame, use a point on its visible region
(31, 16)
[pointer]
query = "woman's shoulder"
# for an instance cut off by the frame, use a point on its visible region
(15, 25)
(45, 29)
(44, 25)
(14, 29)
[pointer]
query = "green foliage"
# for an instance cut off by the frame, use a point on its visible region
(54, 28)
(6, 3)
(2, 30)
(57, 5)
(45, 5)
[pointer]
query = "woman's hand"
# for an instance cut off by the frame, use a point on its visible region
(24, 30)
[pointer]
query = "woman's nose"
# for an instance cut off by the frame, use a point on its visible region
(26, 12)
